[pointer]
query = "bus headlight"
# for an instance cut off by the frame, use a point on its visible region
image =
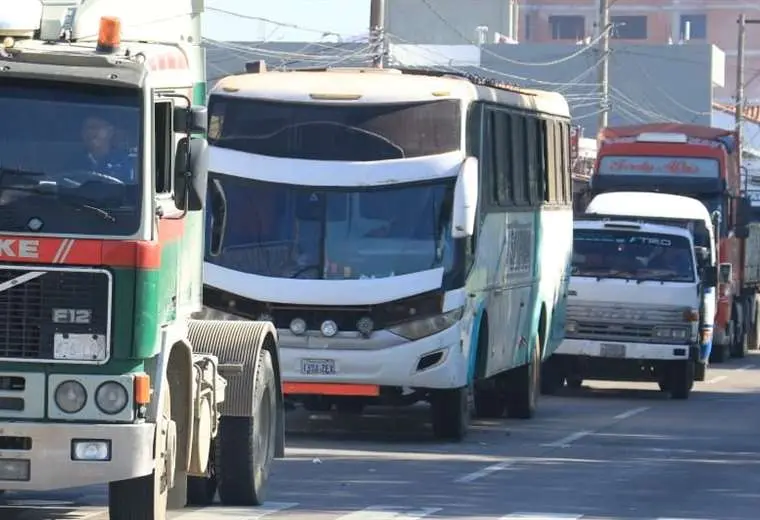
(111, 397)
(418, 329)
(70, 396)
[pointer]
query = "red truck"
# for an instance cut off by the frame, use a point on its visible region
(699, 162)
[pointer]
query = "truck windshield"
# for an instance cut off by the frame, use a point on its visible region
(287, 231)
(347, 132)
(608, 253)
(69, 158)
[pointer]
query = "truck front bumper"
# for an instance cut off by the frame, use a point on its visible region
(44, 456)
(630, 351)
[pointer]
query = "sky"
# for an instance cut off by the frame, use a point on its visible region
(313, 18)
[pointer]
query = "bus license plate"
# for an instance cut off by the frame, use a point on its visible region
(318, 367)
(613, 350)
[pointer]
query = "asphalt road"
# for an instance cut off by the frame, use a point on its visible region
(608, 451)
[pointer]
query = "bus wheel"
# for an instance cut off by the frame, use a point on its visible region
(450, 411)
(489, 403)
(523, 386)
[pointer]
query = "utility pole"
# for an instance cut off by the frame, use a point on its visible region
(739, 109)
(743, 21)
(604, 63)
(377, 32)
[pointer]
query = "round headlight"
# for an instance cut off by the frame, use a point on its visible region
(297, 326)
(365, 326)
(111, 397)
(329, 328)
(70, 396)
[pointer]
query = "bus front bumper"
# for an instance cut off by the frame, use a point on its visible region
(64, 455)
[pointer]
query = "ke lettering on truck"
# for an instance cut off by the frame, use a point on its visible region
(105, 377)
(396, 269)
(698, 162)
(642, 294)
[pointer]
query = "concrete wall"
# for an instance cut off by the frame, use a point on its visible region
(412, 21)
(647, 83)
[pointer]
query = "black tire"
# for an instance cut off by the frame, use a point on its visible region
(450, 412)
(202, 490)
(489, 404)
(552, 375)
(245, 446)
(740, 347)
(720, 353)
(523, 387)
(681, 379)
(142, 498)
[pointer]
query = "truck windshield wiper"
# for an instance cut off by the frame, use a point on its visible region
(70, 200)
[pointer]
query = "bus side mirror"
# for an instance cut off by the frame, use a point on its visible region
(192, 120)
(191, 173)
(465, 207)
(725, 273)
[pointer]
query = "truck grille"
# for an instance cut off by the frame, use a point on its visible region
(628, 322)
(28, 297)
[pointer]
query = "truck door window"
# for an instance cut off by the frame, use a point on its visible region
(163, 145)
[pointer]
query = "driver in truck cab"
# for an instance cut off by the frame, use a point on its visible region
(103, 153)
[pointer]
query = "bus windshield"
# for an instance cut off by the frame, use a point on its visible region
(288, 231)
(327, 132)
(611, 253)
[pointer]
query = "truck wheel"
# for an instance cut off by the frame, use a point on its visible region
(552, 375)
(145, 498)
(739, 347)
(450, 412)
(245, 446)
(202, 490)
(720, 353)
(523, 387)
(489, 403)
(681, 379)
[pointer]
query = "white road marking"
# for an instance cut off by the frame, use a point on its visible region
(541, 516)
(248, 513)
(564, 442)
(484, 472)
(741, 369)
(390, 513)
(716, 379)
(630, 413)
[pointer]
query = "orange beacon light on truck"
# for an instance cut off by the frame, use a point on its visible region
(109, 34)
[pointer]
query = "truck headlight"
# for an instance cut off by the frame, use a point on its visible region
(70, 396)
(672, 332)
(418, 329)
(111, 397)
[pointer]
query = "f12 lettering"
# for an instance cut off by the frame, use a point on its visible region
(79, 316)
(14, 248)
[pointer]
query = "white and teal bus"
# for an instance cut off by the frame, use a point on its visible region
(409, 233)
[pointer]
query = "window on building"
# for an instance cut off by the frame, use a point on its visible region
(567, 27)
(629, 27)
(697, 24)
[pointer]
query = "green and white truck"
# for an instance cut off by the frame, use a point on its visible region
(107, 372)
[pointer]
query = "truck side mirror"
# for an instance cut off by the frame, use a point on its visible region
(708, 276)
(465, 207)
(725, 273)
(703, 255)
(191, 173)
(191, 120)
(743, 217)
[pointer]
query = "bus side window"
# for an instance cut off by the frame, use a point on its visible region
(503, 195)
(543, 173)
(534, 153)
(163, 145)
(567, 188)
(518, 167)
(552, 163)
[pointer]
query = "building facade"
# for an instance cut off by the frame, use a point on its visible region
(655, 22)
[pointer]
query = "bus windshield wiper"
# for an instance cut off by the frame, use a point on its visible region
(71, 200)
